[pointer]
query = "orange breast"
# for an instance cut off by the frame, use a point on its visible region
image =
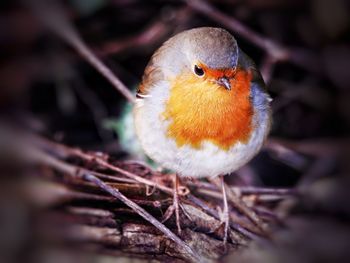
(200, 110)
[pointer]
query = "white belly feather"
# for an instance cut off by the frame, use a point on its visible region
(209, 160)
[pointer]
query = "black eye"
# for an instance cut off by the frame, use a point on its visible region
(198, 70)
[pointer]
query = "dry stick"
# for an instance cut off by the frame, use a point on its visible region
(148, 36)
(251, 190)
(243, 208)
(39, 156)
(97, 109)
(89, 157)
(151, 35)
(215, 214)
(275, 50)
(267, 68)
(244, 190)
(67, 151)
(52, 15)
(114, 178)
(257, 197)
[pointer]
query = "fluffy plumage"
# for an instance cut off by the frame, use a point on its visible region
(192, 124)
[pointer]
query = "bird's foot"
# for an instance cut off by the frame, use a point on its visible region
(175, 207)
(224, 213)
(224, 224)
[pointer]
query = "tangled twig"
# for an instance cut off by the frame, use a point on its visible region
(39, 156)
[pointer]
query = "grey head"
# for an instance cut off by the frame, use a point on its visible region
(214, 47)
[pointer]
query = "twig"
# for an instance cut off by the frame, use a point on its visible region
(39, 156)
(152, 34)
(52, 15)
(251, 190)
(319, 147)
(274, 49)
(285, 154)
(319, 168)
(63, 149)
(148, 36)
(97, 109)
(267, 68)
(244, 190)
(215, 214)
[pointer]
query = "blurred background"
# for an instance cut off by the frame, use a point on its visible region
(301, 47)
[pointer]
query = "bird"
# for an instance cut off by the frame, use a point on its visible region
(202, 109)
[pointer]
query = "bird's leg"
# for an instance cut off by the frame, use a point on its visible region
(175, 207)
(226, 216)
(247, 211)
(176, 202)
(239, 204)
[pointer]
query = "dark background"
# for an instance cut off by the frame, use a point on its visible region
(47, 88)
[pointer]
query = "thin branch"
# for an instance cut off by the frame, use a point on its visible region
(319, 147)
(244, 190)
(274, 49)
(251, 190)
(96, 107)
(52, 15)
(215, 214)
(148, 36)
(63, 149)
(267, 68)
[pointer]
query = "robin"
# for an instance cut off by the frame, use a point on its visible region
(202, 109)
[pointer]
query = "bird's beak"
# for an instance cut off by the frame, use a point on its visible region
(225, 82)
